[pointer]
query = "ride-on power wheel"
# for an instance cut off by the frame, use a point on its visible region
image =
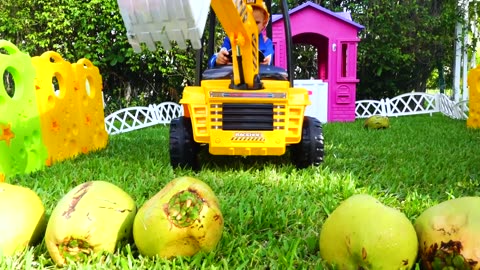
(183, 148)
(310, 150)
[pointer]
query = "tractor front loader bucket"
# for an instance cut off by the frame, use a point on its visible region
(158, 22)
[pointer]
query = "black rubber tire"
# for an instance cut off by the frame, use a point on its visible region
(310, 150)
(183, 148)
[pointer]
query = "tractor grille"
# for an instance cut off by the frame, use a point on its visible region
(247, 116)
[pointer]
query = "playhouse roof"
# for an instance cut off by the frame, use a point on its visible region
(343, 16)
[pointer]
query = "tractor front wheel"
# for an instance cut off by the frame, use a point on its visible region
(183, 148)
(310, 150)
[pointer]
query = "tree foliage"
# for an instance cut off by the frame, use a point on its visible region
(402, 44)
(94, 30)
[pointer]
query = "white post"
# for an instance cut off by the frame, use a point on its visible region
(460, 49)
(465, 77)
(465, 59)
(388, 107)
(473, 61)
(466, 41)
(458, 60)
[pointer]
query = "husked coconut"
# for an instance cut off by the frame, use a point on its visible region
(363, 233)
(22, 218)
(449, 234)
(180, 220)
(91, 218)
(377, 122)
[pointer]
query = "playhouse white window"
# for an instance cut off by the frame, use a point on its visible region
(347, 60)
(344, 61)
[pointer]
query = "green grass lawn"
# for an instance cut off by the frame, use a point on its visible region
(273, 212)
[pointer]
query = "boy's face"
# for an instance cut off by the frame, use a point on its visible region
(259, 18)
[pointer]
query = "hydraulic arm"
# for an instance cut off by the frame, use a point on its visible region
(238, 22)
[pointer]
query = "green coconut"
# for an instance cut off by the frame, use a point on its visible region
(22, 216)
(363, 233)
(449, 234)
(182, 219)
(90, 219)
(377, 122)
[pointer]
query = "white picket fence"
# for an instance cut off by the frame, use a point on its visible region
(410, 104)
(133, 118)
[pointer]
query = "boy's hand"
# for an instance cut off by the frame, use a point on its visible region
(222, 57)
(266, 60)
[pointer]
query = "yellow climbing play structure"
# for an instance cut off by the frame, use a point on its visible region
(473, 120)
(54, 111)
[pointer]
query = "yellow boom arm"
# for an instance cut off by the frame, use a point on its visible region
(238, 22)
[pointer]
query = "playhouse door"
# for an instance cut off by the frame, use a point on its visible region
(343, 91)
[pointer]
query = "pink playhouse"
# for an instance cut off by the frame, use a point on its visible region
(335, 37)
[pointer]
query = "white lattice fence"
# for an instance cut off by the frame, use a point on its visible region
(367, 108)
(410, 104)
(133, 118)
(166, 111)
(452, 109)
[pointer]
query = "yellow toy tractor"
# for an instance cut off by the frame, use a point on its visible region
(245, 108)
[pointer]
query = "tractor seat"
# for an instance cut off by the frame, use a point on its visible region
(267, 72)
